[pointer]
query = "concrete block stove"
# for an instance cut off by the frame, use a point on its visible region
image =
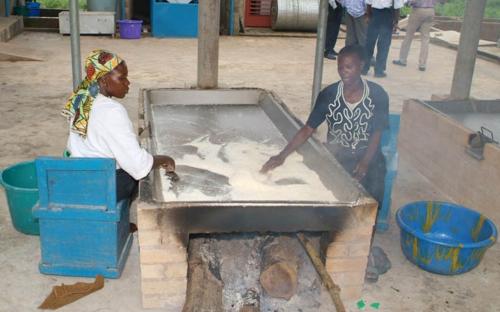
(219, 139)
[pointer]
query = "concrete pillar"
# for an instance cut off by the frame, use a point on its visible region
(208, 43)
(320, 50)
(467, 49)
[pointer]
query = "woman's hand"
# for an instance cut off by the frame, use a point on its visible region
(272, 163)
(360, 170)
(165, 162)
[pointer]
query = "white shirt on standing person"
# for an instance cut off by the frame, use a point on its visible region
(385, 4)
(110, 134)
(355, 8)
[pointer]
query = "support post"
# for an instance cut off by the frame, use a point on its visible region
(320, 50)
(467, 49)
(7, 8)
(74, 25)
(208, 43)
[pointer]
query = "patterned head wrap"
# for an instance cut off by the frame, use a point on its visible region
(97, 64)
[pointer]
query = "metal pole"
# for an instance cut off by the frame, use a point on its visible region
(7, 8)
(74, 26)
(467, 49)
(231, 18)
(320, 50)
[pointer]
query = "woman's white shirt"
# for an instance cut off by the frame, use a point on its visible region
(110, 134)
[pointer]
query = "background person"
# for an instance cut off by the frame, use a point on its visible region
(421, 17)
(335, 13)
(383, 15)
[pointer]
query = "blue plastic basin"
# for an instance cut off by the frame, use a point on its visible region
(444, 238)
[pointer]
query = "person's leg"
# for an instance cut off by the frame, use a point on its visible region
(351, 37)
(332, 27)
(371, 39)
(360, 26)
(374, 181)
(329, 41)
(126, 186)
(384, 40)
(413, 24)
(425, 29)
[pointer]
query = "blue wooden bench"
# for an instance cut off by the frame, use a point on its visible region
(83, 230)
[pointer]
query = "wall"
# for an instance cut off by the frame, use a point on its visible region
(490, 28)
(435, 145)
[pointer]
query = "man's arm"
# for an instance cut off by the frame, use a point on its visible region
(368, 14)
(304, 133)
(364, 163)
(395, 20)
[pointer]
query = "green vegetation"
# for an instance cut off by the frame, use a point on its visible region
(456, 8)
(60, 4)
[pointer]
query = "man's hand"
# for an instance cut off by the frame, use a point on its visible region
(272, 163)
(367, 18)
(360, 170)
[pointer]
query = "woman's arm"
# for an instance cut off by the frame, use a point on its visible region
(304, 133)
(364, 163)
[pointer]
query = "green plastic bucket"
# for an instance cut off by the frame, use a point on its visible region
(21, 189)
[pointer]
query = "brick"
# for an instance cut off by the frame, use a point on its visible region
(167, 255)
(363, 216)
(356, 234)
(337, 250)
(348, 278)
(146, 219)
(166, 303)
(359, 249)
(353, 264)
(349, 293)
(176, 269)
(149, 237)
(149, 302)
(168, 287)
(152, 271)
(177, 240)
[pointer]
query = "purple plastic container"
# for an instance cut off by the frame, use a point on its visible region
(130, 29)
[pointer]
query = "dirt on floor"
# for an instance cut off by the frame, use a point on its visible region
(33, 93)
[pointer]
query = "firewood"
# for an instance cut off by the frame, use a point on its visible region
(332, 288)
(204, 291)
(279, 265)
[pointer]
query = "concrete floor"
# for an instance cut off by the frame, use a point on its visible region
(33, 93)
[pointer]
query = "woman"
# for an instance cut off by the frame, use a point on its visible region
(357, 111)
(100, 126)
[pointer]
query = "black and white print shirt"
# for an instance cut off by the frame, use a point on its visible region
(350, 125)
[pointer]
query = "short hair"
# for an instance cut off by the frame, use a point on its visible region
(354, 49)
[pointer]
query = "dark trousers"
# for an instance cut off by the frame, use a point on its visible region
(380, 33)
(333, 27)
(374, 180)
(126, 186)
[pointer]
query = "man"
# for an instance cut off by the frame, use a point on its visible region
(383, 15)
(335, 13)
(421, 17)
(355, 21)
